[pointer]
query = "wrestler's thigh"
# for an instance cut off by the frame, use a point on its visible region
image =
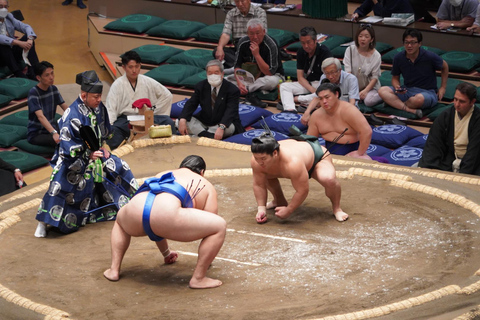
(324, 171)
(188, 224)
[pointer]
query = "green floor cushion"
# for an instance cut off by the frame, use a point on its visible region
(135, 23)
(191, 81)
(172, 74)
(193, 57)
(176, 29)
(270, 96)
(364, 109)
(290, 69)
(156, 54)
(478, 94)
(20, 118)
(339, 52)
(9, 134)
(26, 146)
(384, 108)
(17, 88)
(282, 37)
(386, 78)
(4, 100)
(461, 61)
(439, 108)
(211, 33)
(24, 161)
(332, 42)
(388, 57)
(451, 85)
(4, 72)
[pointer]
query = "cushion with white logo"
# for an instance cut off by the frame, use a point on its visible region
(404, 156)
(281, 122)
(393, 136)
(247, 136)
(251, 114)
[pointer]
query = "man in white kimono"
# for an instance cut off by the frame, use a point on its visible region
(129, 88)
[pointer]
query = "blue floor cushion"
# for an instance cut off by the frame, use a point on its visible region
(17, 88)
(156, 54)
(24, 161)
(10, 134)
(193, 57)
(211, 33)
(251, 114)
(135, 23)
(404, 156)
(418, 142)
(176, 29)
(393, 136)
(172, 74)
(177, 108)
(375, 150)
(247, 136)
(281, 122)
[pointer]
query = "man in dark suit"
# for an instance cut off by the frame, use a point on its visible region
(219, 99)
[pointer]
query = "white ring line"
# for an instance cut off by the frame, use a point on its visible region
(267, 235)
(223, 259)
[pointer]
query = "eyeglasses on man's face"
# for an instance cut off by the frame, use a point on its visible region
(410, 43)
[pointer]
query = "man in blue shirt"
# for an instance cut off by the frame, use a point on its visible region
(43, 100)
(418, 67)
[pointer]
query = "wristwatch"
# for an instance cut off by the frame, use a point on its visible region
(53, 132)
(452, 24)
(222, 126)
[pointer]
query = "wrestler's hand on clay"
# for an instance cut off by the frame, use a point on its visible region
(261, 216)
(282, 212)
(171, 258)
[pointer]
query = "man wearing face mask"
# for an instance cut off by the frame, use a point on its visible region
(219, 99)
(456, 13)
(13, 50)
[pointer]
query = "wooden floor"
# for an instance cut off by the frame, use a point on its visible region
(62, 37)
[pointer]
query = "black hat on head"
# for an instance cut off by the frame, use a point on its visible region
(89, 82)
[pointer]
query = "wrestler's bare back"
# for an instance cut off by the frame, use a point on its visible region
(330, 124)
(166, 206)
